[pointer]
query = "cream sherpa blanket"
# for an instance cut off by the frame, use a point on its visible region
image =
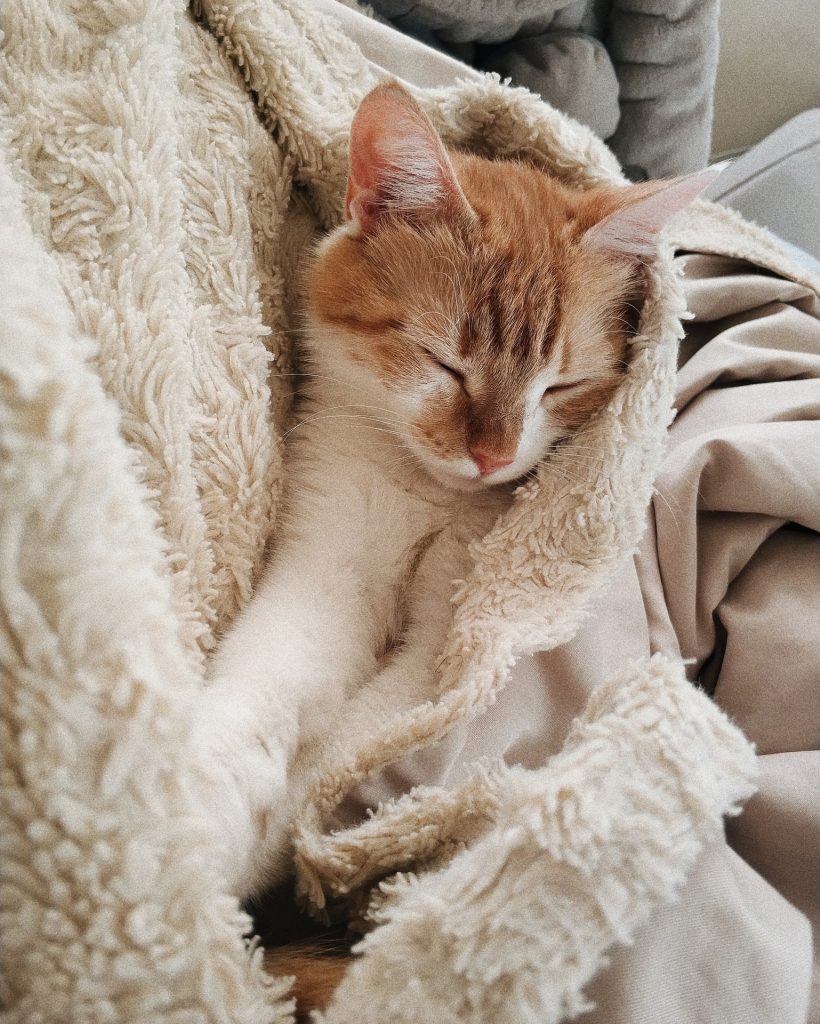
(150, 227)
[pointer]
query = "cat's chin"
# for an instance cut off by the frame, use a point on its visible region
(455, 481)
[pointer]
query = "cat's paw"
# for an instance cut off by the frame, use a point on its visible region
(238, 764)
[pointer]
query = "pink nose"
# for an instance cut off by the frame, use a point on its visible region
(488, 461)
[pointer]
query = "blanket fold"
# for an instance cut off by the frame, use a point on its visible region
(110, 907)
(574, 860)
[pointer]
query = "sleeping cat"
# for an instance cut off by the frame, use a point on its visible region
(467, 316)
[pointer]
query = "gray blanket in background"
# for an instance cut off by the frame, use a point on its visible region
(640, 73)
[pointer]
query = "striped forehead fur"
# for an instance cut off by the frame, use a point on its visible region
(505, 282)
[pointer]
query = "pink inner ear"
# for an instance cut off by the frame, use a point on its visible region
(398, 164)
(633, 230)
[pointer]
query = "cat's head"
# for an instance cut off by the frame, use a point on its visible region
(481, 305)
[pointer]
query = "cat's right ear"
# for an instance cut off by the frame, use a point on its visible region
(399, 167)
(642, 213)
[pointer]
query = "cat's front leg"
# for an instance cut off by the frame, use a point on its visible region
(410, 674)
(302, 642)
(239, 767)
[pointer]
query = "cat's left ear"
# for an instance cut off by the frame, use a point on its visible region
(399, 167)
(633, 228)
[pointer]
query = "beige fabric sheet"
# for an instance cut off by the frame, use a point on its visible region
(728, 575)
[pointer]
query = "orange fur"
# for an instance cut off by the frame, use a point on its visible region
(494, 287)
(481, 287)
(490, 305)
(317, 973)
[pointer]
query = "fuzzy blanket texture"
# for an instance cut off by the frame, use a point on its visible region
(161, 174)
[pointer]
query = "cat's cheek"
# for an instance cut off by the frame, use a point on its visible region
(537, 434)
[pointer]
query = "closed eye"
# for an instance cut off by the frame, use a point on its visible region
(562, 389)
(457, 375)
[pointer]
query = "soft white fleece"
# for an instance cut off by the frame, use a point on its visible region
(110, 905)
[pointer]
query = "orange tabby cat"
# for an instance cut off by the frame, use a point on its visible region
(467, 316)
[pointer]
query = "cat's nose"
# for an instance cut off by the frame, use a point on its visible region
(488, 461)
